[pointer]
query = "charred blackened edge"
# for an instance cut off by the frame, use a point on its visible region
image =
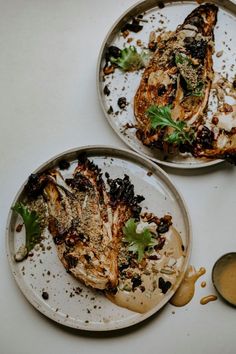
(134, 26)
(152, 139)
(71, 260)
(79, 182)
(122, 191)
(163, 226)
(205, 143)
(70, 237)
(205, 138)
(35, 185)
(63, 164)
(199, 18)
(196, 48)
(95, 171)
(55, 230)
(229, 155)
(112, 52)
(231, 158)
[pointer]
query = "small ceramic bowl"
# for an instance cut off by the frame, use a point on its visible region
(224, 277)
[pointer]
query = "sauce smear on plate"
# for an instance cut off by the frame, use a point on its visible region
(186, 290)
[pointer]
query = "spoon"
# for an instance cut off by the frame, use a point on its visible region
(224, 277)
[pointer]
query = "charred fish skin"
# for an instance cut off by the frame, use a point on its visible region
(179, 74)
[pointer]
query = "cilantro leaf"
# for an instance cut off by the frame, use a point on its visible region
(130, 60)
(139, 243)
(32, 225)
(160, 116)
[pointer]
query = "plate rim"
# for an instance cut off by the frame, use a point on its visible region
(29, 294)
(149, 4)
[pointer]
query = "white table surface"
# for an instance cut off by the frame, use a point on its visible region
(48, 57)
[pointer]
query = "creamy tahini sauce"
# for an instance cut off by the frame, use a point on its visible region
(185, 292)
(169, 267)
(225, 279)
(207, 299)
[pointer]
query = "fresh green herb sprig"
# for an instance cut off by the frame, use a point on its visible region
(130, 60)
(160, 116)
(32, 225)
(139, 243)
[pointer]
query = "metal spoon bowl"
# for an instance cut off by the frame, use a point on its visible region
(219, 274)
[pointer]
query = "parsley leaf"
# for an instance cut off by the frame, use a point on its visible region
(130, 60)
(139, 243)
(160, 116)
(32, 225)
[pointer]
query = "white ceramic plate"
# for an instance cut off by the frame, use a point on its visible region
(125, 85)
(71, 303)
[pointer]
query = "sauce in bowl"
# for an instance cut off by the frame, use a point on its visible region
(224, 277)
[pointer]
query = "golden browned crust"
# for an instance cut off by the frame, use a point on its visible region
(162, 83)
(86, 218)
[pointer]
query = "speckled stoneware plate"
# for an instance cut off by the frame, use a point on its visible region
(69, 302)
(157, 18)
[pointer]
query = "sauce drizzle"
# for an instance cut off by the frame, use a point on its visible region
(186, 291)
(207, 299)
(143, 301)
